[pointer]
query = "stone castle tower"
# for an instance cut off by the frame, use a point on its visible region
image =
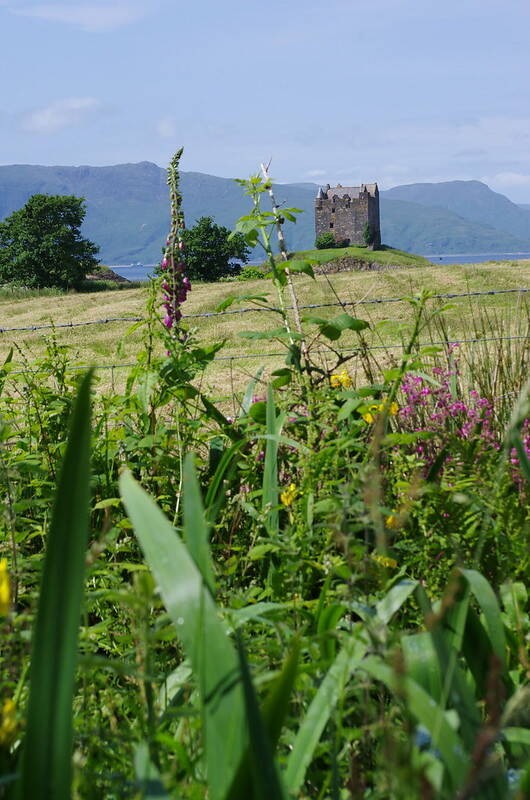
(345, 211)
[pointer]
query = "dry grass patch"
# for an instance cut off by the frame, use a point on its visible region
(108, 344)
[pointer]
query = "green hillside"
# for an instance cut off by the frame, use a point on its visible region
(471, 200)
(420, 228)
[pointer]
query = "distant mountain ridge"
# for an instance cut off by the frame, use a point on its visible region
(128, 209)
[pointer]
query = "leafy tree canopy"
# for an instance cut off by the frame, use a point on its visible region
(210, 253)
(41, 244)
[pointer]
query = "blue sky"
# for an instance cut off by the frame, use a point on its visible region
(397, 91)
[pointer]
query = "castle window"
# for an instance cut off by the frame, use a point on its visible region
(333, 210)
(330, 224)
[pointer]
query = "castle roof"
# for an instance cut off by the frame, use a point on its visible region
(350, 191)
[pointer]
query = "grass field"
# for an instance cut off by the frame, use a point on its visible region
(110, 344)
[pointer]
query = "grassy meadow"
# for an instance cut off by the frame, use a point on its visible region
(113, 344)
(254, 564)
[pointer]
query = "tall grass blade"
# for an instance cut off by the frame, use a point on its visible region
(320, 710)
(196, 529)
(266, 783)
(46, 763)
(273, 714)
(147, 776)
(487, 601)
(428, 713)
(270, 469)
(203, 635)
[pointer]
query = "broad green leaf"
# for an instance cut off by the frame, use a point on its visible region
(203, 635)
(320, 710)
(196, 530)
(422, 663)
(446, 632)
(487, 601)
(46, 764)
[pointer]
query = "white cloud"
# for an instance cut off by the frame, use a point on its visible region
(94, 17)
(166, 128)
(61, 114)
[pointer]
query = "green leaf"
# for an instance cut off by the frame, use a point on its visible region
(282, 377)
(203, 635)
(333, 328)
(516, 736)
(46, 769)
(301, 266)
(422, 663)
(485, 597)
(242, 298)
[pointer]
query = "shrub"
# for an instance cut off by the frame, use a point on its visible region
(324, 241)
(250, 273)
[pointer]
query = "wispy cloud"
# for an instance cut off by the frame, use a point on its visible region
(94, 17)
(59, 115)
(166, 128)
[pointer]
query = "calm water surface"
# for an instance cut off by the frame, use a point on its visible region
(142, 272)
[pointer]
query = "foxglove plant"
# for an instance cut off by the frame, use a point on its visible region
(175, 283)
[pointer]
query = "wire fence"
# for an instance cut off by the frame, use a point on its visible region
(233, 358)
(260, 308)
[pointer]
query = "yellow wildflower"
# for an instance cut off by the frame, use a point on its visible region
(289, 495)
(339, 379)
(8, 723)
(384, 561)
(5, 588)
(369, 415)
(377, 408)
(392, 521)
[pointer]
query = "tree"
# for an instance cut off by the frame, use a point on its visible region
(211, 252)
(41, 244)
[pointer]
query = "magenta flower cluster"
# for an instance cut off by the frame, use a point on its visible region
(175, 287)
(514, 458)
(433, 409)
(175, 283)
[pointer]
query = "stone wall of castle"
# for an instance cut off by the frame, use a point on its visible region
(346, 218)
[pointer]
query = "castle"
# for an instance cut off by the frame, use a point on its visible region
(346, 211)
